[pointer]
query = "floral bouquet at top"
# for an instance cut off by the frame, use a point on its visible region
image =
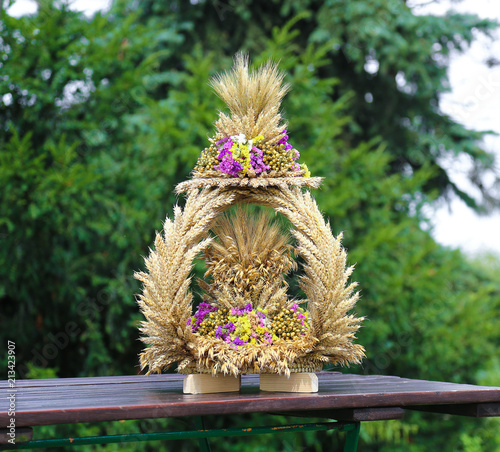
(238, 156)
(246, 322)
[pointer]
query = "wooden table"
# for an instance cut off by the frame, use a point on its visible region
(347, 398)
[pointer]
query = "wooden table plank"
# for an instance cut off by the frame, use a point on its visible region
(352, 414)
(45, 402)
(470, 409)
(85, 381)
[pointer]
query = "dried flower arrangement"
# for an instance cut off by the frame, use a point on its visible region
(246, 322)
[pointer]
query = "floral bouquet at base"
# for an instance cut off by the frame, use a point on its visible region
(246, 326)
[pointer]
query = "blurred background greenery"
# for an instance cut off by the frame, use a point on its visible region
(102, 116)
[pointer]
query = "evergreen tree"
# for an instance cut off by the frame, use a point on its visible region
(392, 60)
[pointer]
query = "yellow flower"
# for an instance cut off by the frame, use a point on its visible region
(256, 140)
(241, 154)
(304, 167)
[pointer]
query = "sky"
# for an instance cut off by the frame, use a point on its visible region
(89, 7)
(473, 101)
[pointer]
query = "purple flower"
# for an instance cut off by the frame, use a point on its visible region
(242, 311)
(230, 326)
(229, 166)
(219, 333)
(284, 140)
(237, 341)
(256, 160)
(225, 149)
(202, 311)
(226, 143)
(268, 337)
(288, 147)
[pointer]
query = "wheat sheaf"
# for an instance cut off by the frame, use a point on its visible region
(166, 300)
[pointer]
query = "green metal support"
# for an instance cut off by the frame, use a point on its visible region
(200, 425)
(351, 441)
(352, 430)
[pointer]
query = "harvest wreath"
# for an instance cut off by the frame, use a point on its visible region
(246, 323)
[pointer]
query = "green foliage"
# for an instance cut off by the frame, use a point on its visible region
(101, 117)
(394, 432)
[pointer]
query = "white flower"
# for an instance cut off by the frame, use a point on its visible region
(241, 138)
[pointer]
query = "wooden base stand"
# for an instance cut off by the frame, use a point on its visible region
(208, 384)
(298, 382)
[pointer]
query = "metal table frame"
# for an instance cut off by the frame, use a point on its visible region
(202, 434)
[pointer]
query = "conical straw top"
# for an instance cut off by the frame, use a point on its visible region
(251, 146)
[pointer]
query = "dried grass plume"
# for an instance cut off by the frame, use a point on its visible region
(248, 260)
(253, 98)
